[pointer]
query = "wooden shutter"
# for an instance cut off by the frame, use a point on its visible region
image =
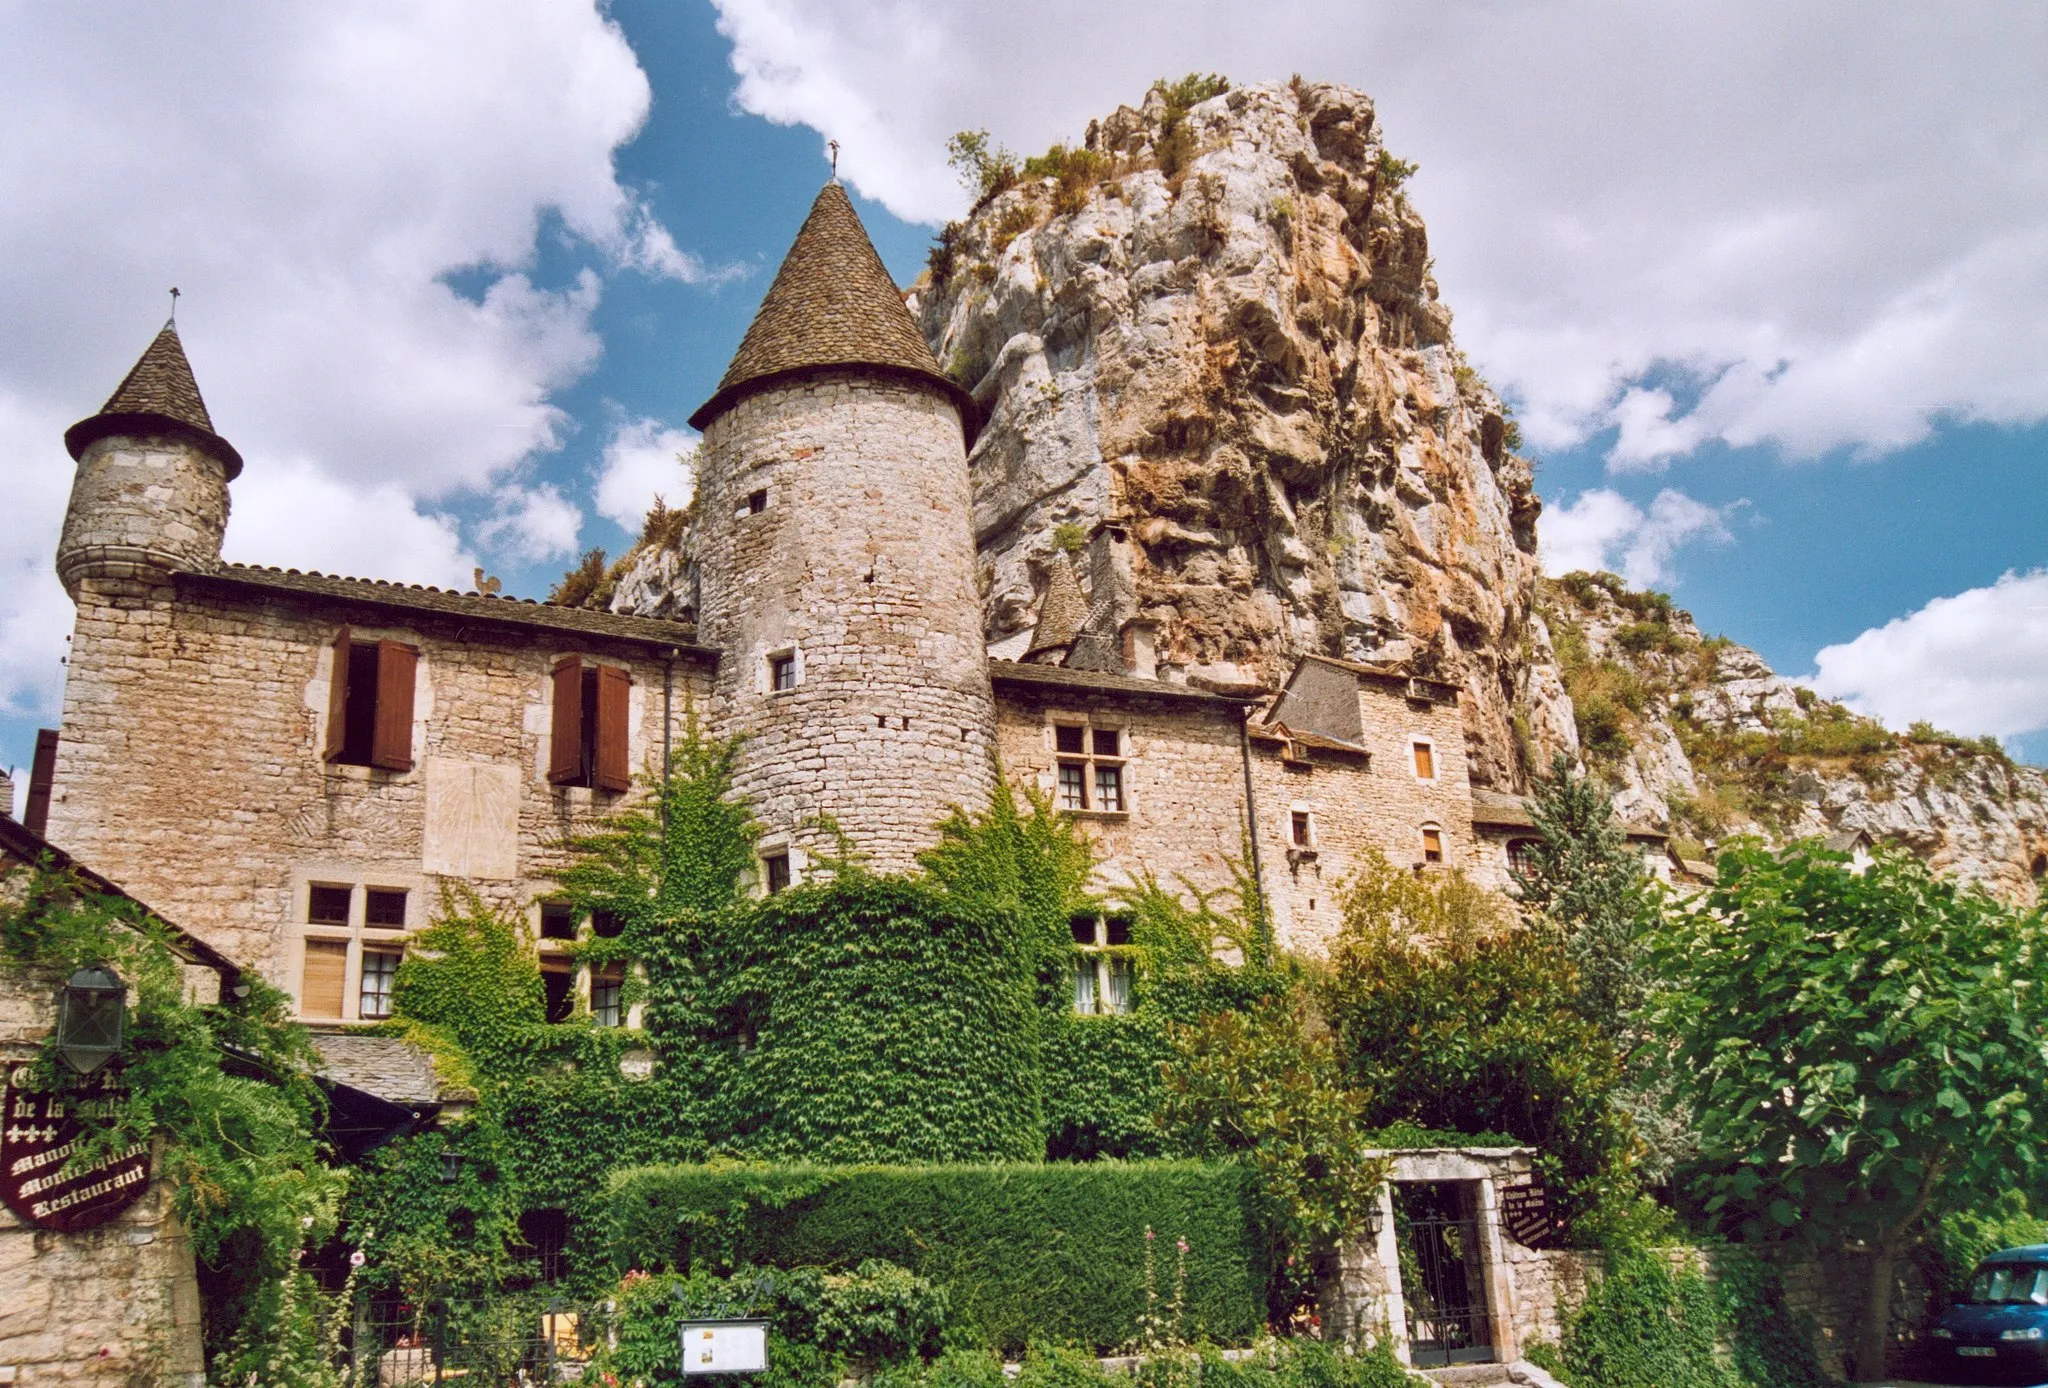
(1425, 761)
(565, 752)
(614, 697)
(337, 699)
(391, 744)
(320, 986)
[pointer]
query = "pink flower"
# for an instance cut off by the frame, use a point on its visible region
(356, 1259)
(1181, 1244)
(1148, 1233)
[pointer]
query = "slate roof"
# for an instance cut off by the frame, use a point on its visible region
(1496, 807)
(390, 1067)
(1391, 678)
(158, 394)
(832, 305)
(1061, 612)
(246, 579)
(1054, 677)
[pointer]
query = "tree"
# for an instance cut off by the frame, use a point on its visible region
(1861, 1052)
(1449, 1014)
(1582, 877)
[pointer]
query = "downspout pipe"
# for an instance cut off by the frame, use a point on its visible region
(1251, 811)
(668, 680)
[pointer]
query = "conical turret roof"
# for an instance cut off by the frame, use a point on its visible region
(1061, 612)
(832, 305)
(158, 395)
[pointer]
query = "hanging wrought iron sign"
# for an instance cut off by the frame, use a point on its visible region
(1526, 1214)
(39, 1134)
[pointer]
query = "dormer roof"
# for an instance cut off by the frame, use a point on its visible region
(1061, 612)
(158, 395)
(832, 306)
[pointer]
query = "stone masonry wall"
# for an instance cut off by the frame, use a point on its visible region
(138, 501)
(117, 1305)
(859, 565)
(191, 772)
(1184, 787)
(1355, 807)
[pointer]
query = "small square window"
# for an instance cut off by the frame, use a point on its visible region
(1107, 742)
(1070, 739)
(775, 872)
(1299, 828)
(380, 969)
(782, 672)
(1432, 845)
(1083, 928)
(1425, 761)
(1109, 787)
(757, 501)
(557, 921)
(328, 905)
(1119, 930)
(1073, 786)
(384, 906)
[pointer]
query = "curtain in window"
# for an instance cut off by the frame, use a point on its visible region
(1084, 985)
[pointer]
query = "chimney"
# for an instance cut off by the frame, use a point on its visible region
(1141, 648)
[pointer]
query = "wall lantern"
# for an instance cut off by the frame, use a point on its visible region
(1373, 1220)
(90, 1013)
(451, 1166)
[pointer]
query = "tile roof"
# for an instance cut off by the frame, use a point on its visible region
(158, 390)
(832, 305)
(242, 579)
(1392, 677)
(1496, 807)
(390, 1067)
(1061, 612)
(1097, 682)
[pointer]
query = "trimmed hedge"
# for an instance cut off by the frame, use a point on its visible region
(1052, 1253)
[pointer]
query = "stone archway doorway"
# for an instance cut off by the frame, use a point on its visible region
(1439, 1233)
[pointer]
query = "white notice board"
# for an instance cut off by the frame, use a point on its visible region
(725, 1347)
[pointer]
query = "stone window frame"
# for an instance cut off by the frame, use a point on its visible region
(1442, 850)
(1416, 742)
(794, 654)
(360, 936)
(325, 675)
(773, 848)
(1101, 959)
(555, 950)
(752, 504)
(1302, 829)
(1090, 762)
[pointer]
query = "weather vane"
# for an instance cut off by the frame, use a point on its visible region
(174, 303)
(832, 145)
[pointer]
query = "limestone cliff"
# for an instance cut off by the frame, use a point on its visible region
(1215, 326)
(1700, 731)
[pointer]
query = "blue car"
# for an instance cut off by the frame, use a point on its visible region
(1998, 1331)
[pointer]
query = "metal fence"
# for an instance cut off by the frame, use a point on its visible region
(394, 1345)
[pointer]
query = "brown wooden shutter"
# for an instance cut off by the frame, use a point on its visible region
(320, 986)
(42, 781)
(614, 697)
(1425, 761)
(565, 752)
(337, 699)
(391, 744)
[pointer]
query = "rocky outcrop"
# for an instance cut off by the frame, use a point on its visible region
(1702, 733)
(1217, 329)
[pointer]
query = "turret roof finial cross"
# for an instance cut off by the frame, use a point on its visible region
(833, 145)
(174, 303)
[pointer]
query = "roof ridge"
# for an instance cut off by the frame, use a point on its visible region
(832, 304)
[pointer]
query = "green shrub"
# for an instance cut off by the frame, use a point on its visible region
(808, 1343)
(1600, 727)
(1644, 1326)
(1054, 1252)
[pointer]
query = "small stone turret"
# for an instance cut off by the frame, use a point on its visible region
(836, 560)
(151, 492)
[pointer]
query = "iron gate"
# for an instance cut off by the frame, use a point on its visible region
(391, 1345)
(1443, 1282)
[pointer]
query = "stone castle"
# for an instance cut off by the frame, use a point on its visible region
(291, 765)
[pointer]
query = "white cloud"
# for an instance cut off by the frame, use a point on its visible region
(310, 176)
(645, 459)
(1832, 224)
(1602, 529)
(532, 524)
(1975, 663)
(293, 515)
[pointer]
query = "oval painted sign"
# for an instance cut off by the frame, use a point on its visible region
(39, 1134)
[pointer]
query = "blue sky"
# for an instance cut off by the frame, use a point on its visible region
(1772, 303)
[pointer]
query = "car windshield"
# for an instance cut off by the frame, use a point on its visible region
(2010, 1284)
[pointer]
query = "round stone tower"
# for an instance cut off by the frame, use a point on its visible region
(836, 561)
(151, 492)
